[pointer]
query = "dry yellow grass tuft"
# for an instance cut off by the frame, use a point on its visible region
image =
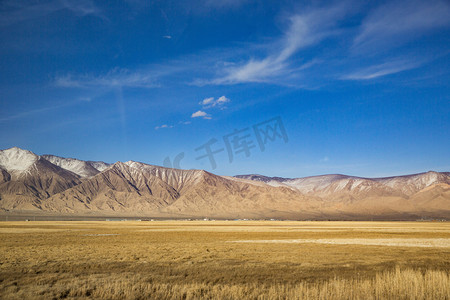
(398, 284)
(199, 260)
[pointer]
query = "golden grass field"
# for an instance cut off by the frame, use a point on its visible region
(225, 260)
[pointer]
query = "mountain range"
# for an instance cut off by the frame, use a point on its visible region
(68, 186)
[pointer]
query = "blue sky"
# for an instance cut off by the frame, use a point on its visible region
(331, 87)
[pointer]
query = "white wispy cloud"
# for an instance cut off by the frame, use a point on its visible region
(82, 7)
(13, 12)
(39, 111)
(383, 69)
(114, 78)
(397, 22)
(167, 126)
(305, 29)
(290, 59)
(163, 126)
(212, 102)
(201, 114)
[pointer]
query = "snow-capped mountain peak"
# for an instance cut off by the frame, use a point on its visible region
(79, 167)
(52, 183)
(335, 183)
(99, 165)
(16, 159)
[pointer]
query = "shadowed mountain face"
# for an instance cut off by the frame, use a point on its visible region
(27, 179)
(70, 186)
(262, 178)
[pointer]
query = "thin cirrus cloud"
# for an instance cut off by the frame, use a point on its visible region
(113, 79)
(39, 111)
(383, 69)
(392, 25)
(387, 26)
(288, 60)
(82, 8)
(305, 30)
(14, 12)
(397, 22)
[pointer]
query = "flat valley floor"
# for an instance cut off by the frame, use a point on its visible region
(224, 260)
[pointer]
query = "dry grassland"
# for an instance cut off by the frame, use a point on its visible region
(224, 260)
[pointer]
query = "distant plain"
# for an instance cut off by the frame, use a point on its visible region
(224, 259)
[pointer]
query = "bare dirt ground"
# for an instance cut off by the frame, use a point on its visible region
(224, 259)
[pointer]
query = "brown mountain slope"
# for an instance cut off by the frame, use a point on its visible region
(138, 188)
(424, 194)
(119, 188)
(30, 182)
(26, 189)
(216, 196)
